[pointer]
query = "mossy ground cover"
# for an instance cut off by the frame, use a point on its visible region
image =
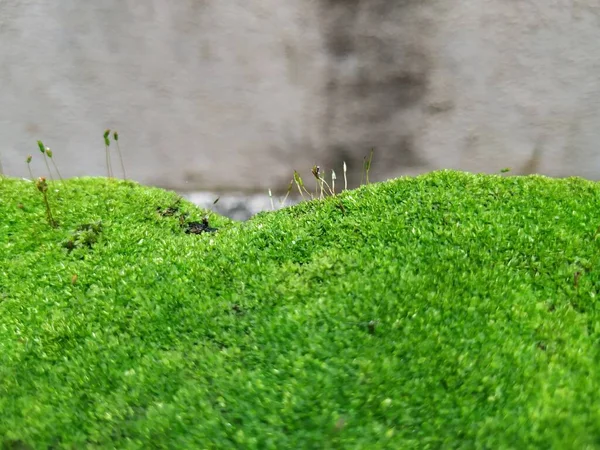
(442, 311)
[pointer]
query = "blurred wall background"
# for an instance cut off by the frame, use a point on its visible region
(235, 95)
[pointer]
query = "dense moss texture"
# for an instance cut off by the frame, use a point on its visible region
(447, 310)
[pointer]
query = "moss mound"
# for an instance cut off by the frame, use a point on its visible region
(446, 310)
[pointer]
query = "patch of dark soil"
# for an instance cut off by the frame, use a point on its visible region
(199, 227)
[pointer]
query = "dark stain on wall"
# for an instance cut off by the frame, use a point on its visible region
(341, 15)
(375, 77)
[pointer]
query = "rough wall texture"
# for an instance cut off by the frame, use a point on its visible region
(234, 95)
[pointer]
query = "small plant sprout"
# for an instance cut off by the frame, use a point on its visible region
(333, 181)
(42, 148)
(49, 154)
(368, 165)
(345, 177)
(28, 161)
(42, 186)
(271, 198)
(300, 184)
(106, 147)
(116, 138)
(316, 171)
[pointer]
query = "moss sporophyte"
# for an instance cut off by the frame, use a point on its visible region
(49, 154)
(106, 148)
(42, 148)
(42, 186)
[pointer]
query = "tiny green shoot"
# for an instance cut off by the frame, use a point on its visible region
(116, 138)
(28, 161)
(49, 154)
(42, 186)
(316, 171)
(300, 185)
(106, 147)
(367, 165)
(42, 148)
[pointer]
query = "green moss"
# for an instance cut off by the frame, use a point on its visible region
(447, 310)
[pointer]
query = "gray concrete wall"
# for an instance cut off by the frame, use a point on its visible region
(235, 95)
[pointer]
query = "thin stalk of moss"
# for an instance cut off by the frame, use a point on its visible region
(289, 189)
(299, 190)
(49, 153)
(316, 171)
(362, 173)
(333, 181)
(323, 182)
(300, 185)
(368, 165)
(116, 138)
(42, 148)
(345, 178)
(331, 191)
(271, 198)
(28, 161)
(42, 186)
(106, 147)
